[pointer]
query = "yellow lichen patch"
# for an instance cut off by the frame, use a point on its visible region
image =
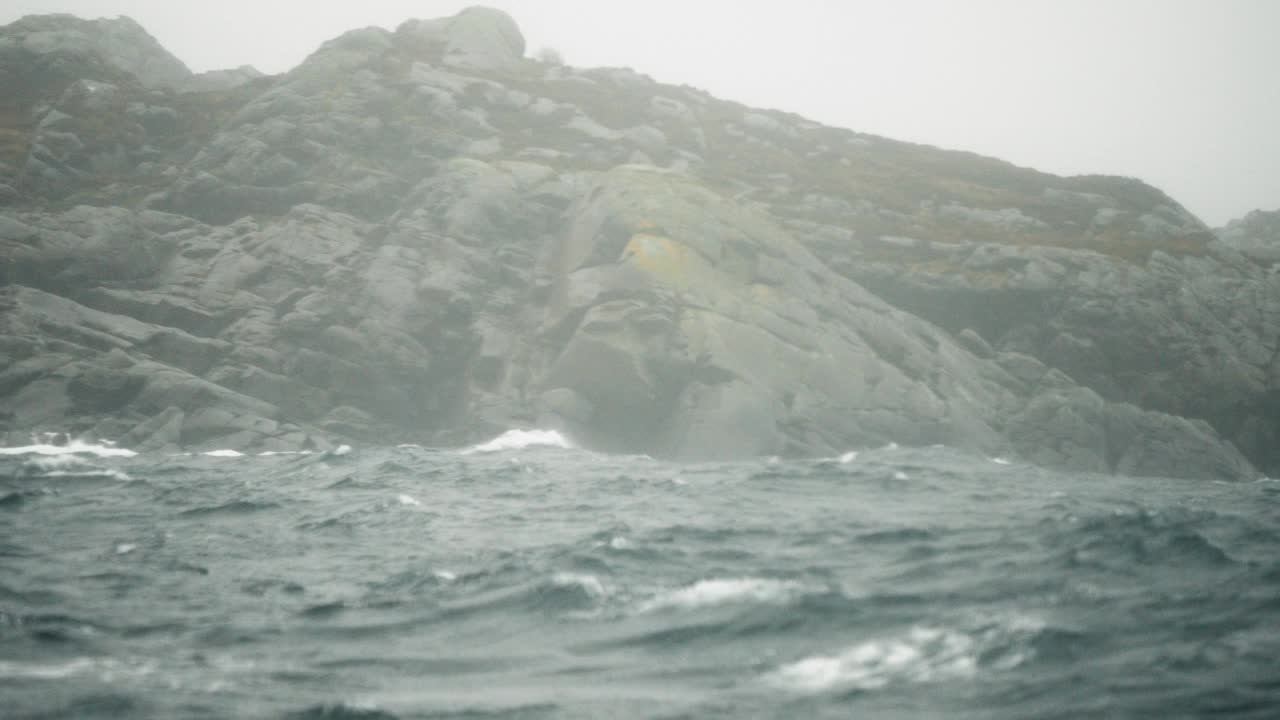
(678, 267)
(660, 256)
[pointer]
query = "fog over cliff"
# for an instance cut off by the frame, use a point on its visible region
(1179, 93)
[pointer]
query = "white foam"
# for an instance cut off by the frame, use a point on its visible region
(620, 543)
(590, 583)
(273, 453)
(848, 457)
(125, 548)
(708, 593)
(74, 447)
(520, 439)
(445, 575)
(407, 500)
(924, 654)
(56, 462)
(899, 475)
(1001, 461)
(342, 450)
(87, 474)
(225, 453)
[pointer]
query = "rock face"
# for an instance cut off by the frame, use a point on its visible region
(422, 236)
(121, 43)
(1256, 235)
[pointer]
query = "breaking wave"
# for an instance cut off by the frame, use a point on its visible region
(709, 593)
(922, 654)
(521, 439)
(70, 447)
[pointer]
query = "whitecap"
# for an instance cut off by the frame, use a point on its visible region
(125, 548)
(56, 462)
(709, 593)
(445, 575)
(1001, 461)
(342, 450)
(407, 500)
(74, 447)
(899, 475)
(620, 543)
(225, 453)
(922, 654)
(589, 583)
(520, 439)
(89, 474)
(848, 457)
(273, 453)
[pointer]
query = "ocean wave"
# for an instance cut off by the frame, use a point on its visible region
(107, 669)
(232, 507)
(55, 462)
(342, 711)
(710, 593)
(72, 447)
(588, 584)
(521, 439)
(89, 474)
(922, 654)
(1124, 540)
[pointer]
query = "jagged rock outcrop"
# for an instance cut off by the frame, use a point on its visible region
(1256, 235)
(120, 43)
(421, 235)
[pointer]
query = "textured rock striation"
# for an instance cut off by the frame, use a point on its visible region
(423, 236)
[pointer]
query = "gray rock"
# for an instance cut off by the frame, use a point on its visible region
(120, 42)
(477, 38)
(419, 237)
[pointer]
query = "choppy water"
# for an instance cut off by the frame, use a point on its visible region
(544, 582)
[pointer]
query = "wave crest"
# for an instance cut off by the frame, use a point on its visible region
(71, 447)
(520, 439)
(923, 654)
(709, 593)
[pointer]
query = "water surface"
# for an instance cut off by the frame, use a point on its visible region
(547, 582)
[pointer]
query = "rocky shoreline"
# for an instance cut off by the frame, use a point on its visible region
(421, 235)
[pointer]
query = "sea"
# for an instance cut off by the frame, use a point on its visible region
(524, 578)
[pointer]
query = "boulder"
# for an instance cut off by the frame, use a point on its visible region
(478, 38)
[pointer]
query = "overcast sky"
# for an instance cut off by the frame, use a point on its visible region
(1184, 94)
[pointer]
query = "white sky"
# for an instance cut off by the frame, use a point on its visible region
(1184, 94)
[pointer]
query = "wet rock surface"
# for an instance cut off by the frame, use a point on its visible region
(420, 235)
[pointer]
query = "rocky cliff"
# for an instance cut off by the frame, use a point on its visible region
(424, 236)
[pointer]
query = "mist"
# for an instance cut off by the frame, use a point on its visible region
(1180, 93)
